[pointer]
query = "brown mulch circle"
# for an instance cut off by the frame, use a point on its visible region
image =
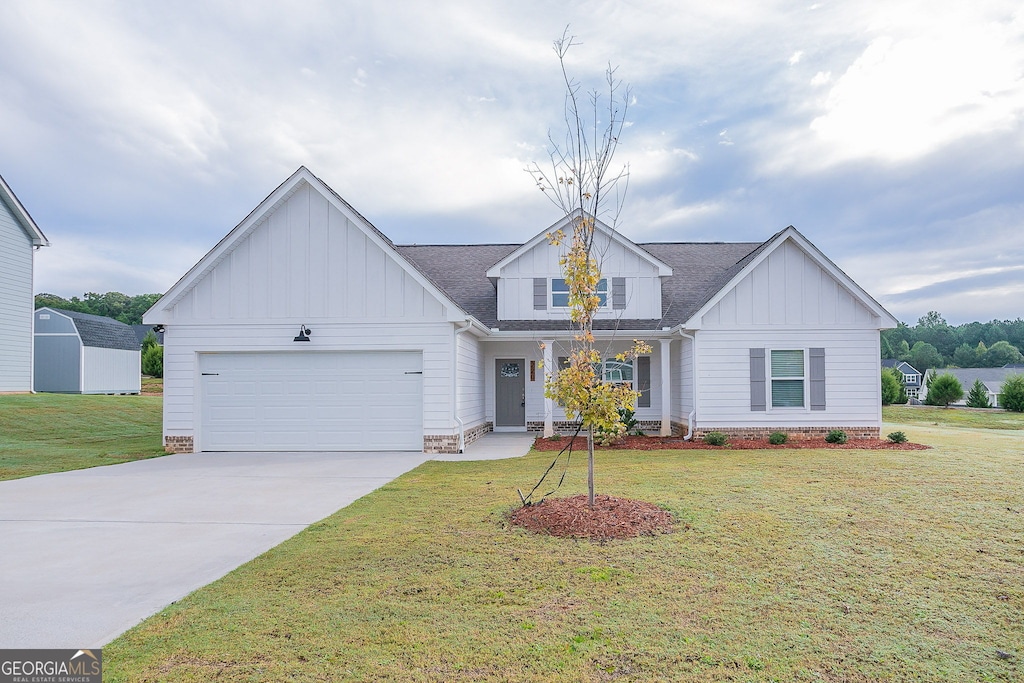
(653, 443)
(611, 518)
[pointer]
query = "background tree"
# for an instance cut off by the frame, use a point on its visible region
(892, 386)
(582, 184)
(965, 357)
(1011, 394)
(948, 340)
(943, 390)
(1001, 353)
(924, 356)
(152, 356)
(977, 397)
(127, 309)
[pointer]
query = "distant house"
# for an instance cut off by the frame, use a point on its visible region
(142, 330)
(19, 238)
(992, 378)
(913, 380)
(78, 353)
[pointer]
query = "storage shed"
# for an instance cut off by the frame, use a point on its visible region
(78, 353)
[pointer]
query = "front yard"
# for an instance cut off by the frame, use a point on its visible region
(788, 565)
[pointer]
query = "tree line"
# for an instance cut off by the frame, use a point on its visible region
(127, 309)
(934, 343)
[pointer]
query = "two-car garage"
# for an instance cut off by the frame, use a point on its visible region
(311, 401)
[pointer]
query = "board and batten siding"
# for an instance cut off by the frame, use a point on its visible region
(518, 299)
(852, 369)
(788, 288)
(16, 304)
(111, 371)
(470, 380)
(306, 262)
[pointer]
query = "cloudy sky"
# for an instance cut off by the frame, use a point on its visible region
(891, 133)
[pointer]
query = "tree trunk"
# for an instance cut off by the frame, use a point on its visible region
(590, 466)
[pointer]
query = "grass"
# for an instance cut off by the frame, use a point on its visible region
(995, 418)
(805, 565)
(43, 433)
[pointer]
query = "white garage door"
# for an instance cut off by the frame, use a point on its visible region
(311, 401)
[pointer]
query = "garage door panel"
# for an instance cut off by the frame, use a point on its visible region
(312, 401)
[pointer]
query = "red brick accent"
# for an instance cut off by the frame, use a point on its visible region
(753, 433)
(178, 444)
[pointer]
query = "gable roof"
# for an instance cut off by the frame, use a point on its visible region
(992, 378)
(99, 331)
(733, 275)
(615, 236)
(257, 216)
(21, 215)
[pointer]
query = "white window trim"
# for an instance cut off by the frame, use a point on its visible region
(551, 293)
(769, 406)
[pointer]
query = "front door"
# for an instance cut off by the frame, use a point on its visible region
(509, 392)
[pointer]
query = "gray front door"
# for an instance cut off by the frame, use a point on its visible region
(509, 392)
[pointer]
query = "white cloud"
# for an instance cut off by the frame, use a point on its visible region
(795, 58)
(821, 78)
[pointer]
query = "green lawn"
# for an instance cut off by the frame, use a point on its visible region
(796, 566)
(954, 417)
(42, 433)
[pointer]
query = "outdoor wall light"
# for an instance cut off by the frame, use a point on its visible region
(304, 333)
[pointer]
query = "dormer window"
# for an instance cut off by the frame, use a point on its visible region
(560, 292)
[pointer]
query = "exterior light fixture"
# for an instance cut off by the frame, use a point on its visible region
(304, 333)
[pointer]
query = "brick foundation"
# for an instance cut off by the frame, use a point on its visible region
(449, 443)
(566, 428)
(752, 433)
(474, 433)
(178, 444)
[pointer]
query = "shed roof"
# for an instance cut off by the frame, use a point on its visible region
(101, 332)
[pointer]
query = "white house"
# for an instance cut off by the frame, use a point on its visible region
(19, 238)
(306, 328)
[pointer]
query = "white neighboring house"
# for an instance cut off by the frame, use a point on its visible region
(19, 238)
(306, 328)
(992, 378)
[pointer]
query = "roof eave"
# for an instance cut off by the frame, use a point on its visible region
(22, 215)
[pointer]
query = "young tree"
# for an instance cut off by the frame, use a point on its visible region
(1011, 394)
(943, 390)
(582, 184)
(891, 386)
(977, 397)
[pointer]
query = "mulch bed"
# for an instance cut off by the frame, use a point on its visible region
(611, 518)
(653, 443)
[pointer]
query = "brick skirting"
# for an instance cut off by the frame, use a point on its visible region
(449, 443)
(752, 433)
(178, 444)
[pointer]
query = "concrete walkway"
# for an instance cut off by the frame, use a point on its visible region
(494, 446)
(85, 555)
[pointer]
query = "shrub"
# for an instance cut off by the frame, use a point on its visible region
(897, 437)
(153, 361)
(716, 439)
(778, 438)
(977, 397)
(628, 419)
(943, 390)
(890, 386)
(836, 436)
(1012, 396)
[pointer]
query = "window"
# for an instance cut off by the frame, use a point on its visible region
(909, 379)
(622, 372)
(787, 368)
(560, 292)
(618, 372)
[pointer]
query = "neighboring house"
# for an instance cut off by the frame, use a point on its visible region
(306, 328)
(19, 238)
(913, 381)
(992, 378)
(79, 353)
(142, 330)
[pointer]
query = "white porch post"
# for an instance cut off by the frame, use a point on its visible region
(549, 405)
(666, 387)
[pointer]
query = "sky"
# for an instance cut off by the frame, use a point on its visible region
(890, 133)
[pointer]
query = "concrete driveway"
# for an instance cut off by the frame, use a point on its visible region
(86, 555)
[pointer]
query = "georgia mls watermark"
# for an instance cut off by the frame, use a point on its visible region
(51, 666)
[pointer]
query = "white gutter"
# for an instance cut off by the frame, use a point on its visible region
(468, 323)
(693, 382)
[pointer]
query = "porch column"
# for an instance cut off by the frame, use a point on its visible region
(666, 387)
(549, 405)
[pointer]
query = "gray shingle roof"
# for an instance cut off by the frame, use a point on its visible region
(699, 270)
(101, 332)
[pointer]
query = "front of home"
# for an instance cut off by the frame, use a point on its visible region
(306, 328)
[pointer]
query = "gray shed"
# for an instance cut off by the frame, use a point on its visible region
(78, 353)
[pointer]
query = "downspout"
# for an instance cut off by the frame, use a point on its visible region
(455, 384)
(693, 383)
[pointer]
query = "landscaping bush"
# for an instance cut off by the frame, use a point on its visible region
(897, 437)
(978, 396)
(778, 438)
(153, 361)
(892, 387)
(628, 419)
(836, 436)
(716, 439)
(943, 390)
(1012, 396)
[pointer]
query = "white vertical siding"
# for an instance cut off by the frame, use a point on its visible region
(16, 304)
(788, 289)
(643, 286)
(682, 390)
(182, 343)
(471, 380)
(852, 368)
(111, 371)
